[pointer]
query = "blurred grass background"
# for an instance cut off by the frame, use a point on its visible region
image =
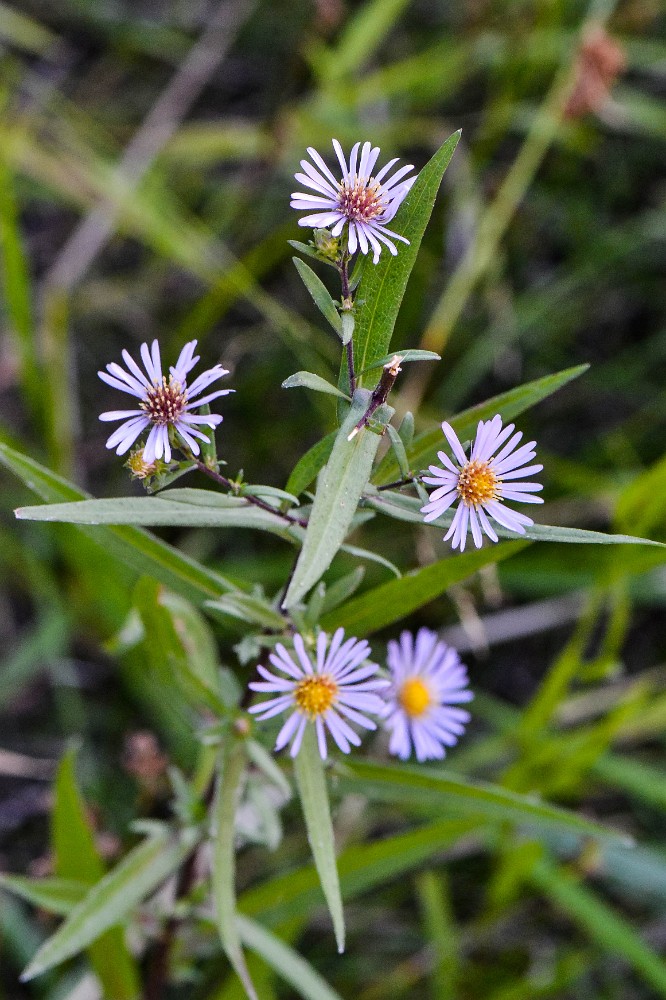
(146, 161)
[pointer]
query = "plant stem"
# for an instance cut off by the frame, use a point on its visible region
(221, 480)
(347, 304)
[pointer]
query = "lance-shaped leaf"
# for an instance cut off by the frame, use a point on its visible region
(313, 793)
(158, 511)
(286, 961)
(320, 294)
(131, 546)
(409, 354)
(224, 855)
(55, 895)
(383, 285)
(308, 380)
(110, 901)
(179, 647)
(428, 790)
(424, 448)
(339, 487)
(76, 859)
(310, 464)
(405, 508)
(396, 599)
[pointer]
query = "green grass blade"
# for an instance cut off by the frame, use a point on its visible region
(396, 599)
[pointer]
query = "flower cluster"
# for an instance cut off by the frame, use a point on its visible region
(340, 685)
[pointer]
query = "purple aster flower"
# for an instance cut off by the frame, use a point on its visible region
(483, 482)
(361, 200)
(164, 403)
(332, 690)
(428, 681)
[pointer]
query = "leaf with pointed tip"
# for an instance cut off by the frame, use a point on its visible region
(423, 450)
(392, 601)
(224, 854)
(409, 354)
(308, 380)
(320, 295)
(157, 511)
(310, 464)
(55, 895)
(131, 546)
(112, 899)
(406, 508)
(313, 793)
(339, 486)
(383, 285)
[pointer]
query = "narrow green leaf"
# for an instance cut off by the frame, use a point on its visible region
(361, 868)
(72, 840)
(433, 790)
(343, 589)
(306, 469)
(610, 931)
(509, 404)
(320, 294)
(16, 283)
(294, 969)
(156, 511)
(399, 451)
(339, 487)
(310, 252)
(131, 546)
(55, 895)
(224, 858)
(76, 859)
(308, 380)
(396, 599)
(384, 284)
(178, 645)
(248, 608)
(406, 508)
(409, 354)
(272, 492)
(313, 793)
(110, 901)
(360, 553)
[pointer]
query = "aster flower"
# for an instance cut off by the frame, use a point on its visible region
(483, 482)
(163, 403)
(361, 200)
(427, 682)
(333, 689)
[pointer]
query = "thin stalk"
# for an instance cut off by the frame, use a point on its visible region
(221, 480)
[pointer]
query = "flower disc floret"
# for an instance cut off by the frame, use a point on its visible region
(360, 200)
(428, 682)
(483, 482)
(331, 689)
(164, 402)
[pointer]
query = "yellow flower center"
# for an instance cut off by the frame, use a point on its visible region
(164, 403)
(415, 697)
(314, 695)
(477, 483)
(360, 201)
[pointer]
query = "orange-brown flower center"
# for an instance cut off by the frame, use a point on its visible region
(415, 697)
(477, 483)
(360, 201)
(164, 403)
(314, 695)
